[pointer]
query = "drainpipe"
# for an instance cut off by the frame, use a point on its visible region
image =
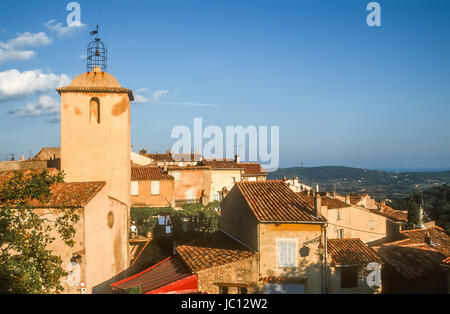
(325, 281)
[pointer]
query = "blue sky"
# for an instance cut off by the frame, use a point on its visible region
(341, 92)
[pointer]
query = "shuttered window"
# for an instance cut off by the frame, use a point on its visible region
(286, 253)
(134, 188)
(155, 188)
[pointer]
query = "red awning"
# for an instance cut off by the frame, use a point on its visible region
(186, 285)
(169, 276)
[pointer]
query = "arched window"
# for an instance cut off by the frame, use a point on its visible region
(94, 110)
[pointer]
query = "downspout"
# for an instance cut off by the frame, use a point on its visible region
(325, 281)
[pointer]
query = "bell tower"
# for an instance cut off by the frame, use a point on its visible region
(95, 127)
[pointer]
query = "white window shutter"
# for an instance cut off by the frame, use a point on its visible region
(282, 253)
(155, 188)
(134, 188)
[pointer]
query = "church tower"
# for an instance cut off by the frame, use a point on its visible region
(95, 127)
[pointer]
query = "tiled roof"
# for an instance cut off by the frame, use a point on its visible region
(83, 89)
(186, 157)
(346, 252)
(446, 262)
(253, 169)
(222, 164)
(273, 201)
(47, 153)
(331, 203)
(160, 157)
(440, 240)
(148, 173)
(72, 194)
(216, 250)
(395, 215)
(187, 168)
(411, 261)
(166, 272)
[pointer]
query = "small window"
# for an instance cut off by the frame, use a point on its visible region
(176, 176)
(252, 179)
(286, 253)
(243, 290)
(340, 233)
(134, 188)
(94, 110)
(190, 195)
(349, 277)
(223, 290)
(216, 196)
(339, 214)
(155, 188)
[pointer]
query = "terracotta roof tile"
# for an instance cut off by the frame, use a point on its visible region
(440, 240)
(350, 252)
(216, 250)
(331, 203)
(222, 164)
(253, 169)
(411, 261)
(148, 173)
(187, 168)
(64, 194)
(273, 201)
(446, 261)
(160, 157)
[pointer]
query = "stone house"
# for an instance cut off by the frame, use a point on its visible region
(151, 187)
(253, 171)
(224, 174)
(192, 184)
(414, 264)
(348, 266)
(285, 231)
(214, 264)
(98, 254)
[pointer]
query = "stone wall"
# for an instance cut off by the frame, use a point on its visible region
(243, 272)
(22, 165)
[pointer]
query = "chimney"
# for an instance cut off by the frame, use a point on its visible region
(317, 205)
(22, 158)
(295, 180)
(237, 159)
(333, 194)
(317, 188)
(383, 203)
(284, 179)
(347, 199)
(165, 167)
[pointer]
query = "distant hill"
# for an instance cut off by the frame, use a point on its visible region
(379, 184)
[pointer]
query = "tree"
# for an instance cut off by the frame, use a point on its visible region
(143, 152)
(27, 266)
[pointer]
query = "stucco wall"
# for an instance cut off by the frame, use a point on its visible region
(356, 224)
(197, 180)
(92, 151)
(106, 248)
(308, 266)
(165, 198)
(238, 220)
(223, 178)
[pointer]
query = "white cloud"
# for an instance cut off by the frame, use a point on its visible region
(155, 97)
(12, 49)
(194, 104)
(14, 84)
(64, 31)
(46, 106)
(139, 99)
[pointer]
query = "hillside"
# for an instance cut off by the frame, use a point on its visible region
(379, 184)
